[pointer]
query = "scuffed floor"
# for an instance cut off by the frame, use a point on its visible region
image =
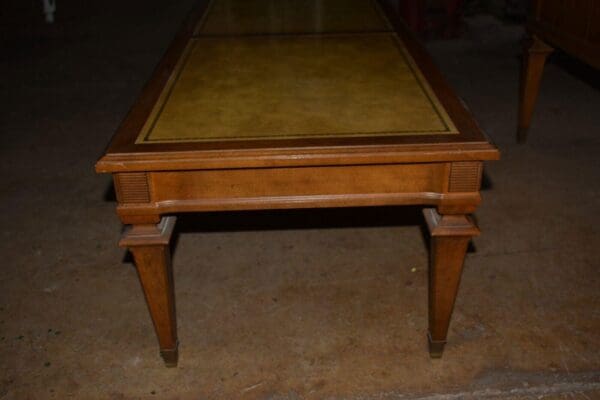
(290, 304)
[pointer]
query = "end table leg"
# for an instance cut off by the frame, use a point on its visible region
(149, 245)
(534, 59)
(450, 236)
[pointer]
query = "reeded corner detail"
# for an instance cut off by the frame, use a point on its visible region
(132, 187)
(465, 176)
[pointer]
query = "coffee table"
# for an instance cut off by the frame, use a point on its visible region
(264, 104)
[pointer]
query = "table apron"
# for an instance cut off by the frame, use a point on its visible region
(161, 192)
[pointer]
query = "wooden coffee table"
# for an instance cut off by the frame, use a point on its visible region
(263, 104)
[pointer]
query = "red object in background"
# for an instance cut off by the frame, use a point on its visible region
(414, 13)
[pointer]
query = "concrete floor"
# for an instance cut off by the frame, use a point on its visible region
(298, 304)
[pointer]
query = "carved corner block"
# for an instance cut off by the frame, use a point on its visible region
(450, 225)
(149, 234)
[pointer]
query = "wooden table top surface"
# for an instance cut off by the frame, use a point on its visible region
(275, 75)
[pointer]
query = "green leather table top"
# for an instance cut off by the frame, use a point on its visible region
(250, 86)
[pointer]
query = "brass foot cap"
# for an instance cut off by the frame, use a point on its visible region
(436, 347)
(170, 357)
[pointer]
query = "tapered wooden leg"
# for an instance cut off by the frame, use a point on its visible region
(149, 245)
(450, 236)
(534, 59)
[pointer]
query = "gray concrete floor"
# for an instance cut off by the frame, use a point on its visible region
(299, 304)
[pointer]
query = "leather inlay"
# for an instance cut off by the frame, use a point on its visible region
(248, 88)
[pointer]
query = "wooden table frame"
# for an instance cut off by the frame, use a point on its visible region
(155, 181)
